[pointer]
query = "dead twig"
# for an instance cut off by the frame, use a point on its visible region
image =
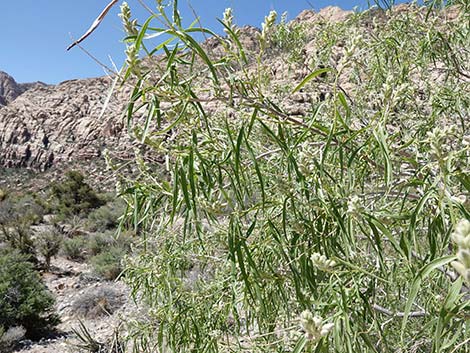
(95, 24)
(388, 312)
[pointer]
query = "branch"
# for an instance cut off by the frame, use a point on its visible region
(95, 24)
(388, 312)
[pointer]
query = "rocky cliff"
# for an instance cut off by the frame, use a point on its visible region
(10, 89)
(51, 124)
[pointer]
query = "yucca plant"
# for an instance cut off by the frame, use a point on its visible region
(316, 226)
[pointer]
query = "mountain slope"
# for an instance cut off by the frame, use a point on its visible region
(48, 125)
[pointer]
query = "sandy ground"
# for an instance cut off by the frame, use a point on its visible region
(81, 296)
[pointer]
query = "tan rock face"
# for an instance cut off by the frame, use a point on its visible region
(330, 14)
(10, 89)
(48, 125)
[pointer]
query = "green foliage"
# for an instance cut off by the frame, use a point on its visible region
(108, 263)
(99, 242)
(19, 237)
(106, 217)
(74, 195)
(288, 38)
(322, 230)
(80, 248)
(22, 209)
(48, 245)
(88, 343)
(25, 300)
(75, 248)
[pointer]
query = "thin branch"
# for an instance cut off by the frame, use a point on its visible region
(198, 18)
(106, 68)
(95, 24)
(388, 312)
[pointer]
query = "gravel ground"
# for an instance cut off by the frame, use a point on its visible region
(80, 296)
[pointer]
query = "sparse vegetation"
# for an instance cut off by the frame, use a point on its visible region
(106, 217)
(75, 248)
(98, 301)
(21, 209)
(19, 237)
(49, 244)
(108, 263)
(75, 222)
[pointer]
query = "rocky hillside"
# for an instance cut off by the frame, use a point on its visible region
(10, 89)
(48, 125)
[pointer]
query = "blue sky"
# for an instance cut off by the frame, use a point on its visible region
(35, 33)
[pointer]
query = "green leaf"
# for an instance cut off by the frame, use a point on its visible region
(310, 77)
(193, 45)
(416, 285)
(464, 180)
(300, 345)
(379, 135)
(236, 40)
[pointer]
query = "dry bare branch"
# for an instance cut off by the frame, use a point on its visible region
(95, 24)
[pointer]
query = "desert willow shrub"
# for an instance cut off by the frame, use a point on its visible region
(325, 229)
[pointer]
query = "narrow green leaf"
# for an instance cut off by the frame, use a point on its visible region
(236, 40)
(142, 32)
(310, 77)
(193, 45)
(300, 345)
(416, 285)
(381, 139)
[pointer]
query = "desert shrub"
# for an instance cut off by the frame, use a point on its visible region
(48, 244)
(74, 195)
(108, 263)
(73, 226)
(288, 38)
(21, 209)
(328, 226)
(88, 343)
(75, 248)
(10, 338)
(106, 217)
(94, 302)
(125, 240)
(25, 300)
(99, 242)
(19, 237)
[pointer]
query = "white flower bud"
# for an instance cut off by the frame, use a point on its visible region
(464, 257)
(314, 327)
(322, 262)
(326, 329)
(463, 228)
(461, 237)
